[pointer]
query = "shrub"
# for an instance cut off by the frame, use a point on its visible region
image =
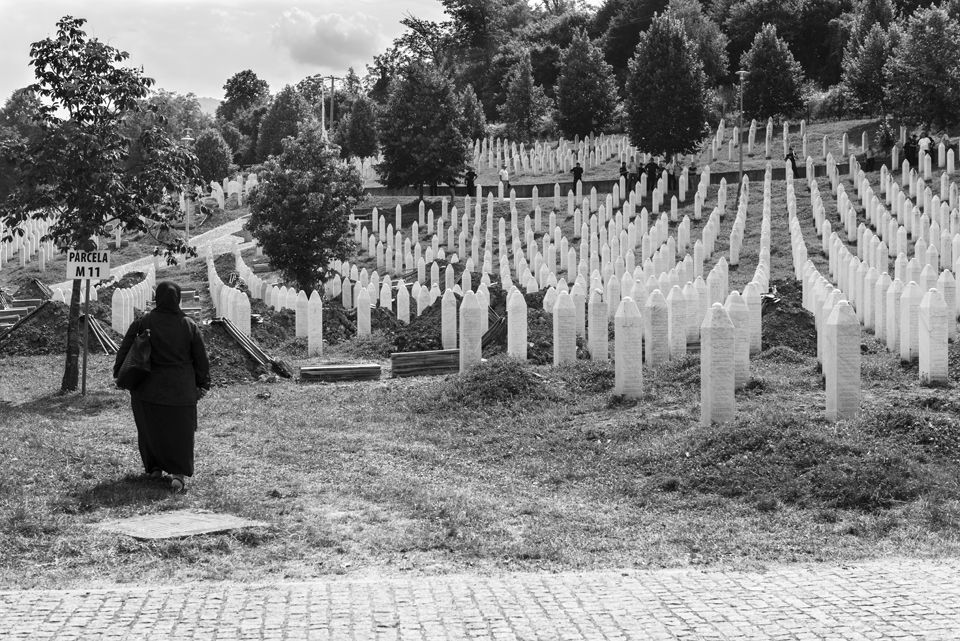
(826, 105)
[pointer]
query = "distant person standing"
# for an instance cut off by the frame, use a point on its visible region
(632, 175)
(165, 403)
(793, 161)
(652, 170)
(923, 147)
(505, 179)
(469, 179)
(910, 149)
(577, 172)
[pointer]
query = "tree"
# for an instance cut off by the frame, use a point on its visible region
(866, 14)
(79, 172)
(299, 212)
(285, 114)
(525, 104)
(547, 36)
(243, 90)
(774, 80)
(360, 129)
(586, 93)
(666, 95)
(474, 122)
(18, 124)
(923, 73)
(705, 34)
(234, 139)
(817, 40)
(623, 32)
(314, 93)
(19, 114)
(863, 71)
(213, 155)
(746, 19)
(420, 135)
(480, 29)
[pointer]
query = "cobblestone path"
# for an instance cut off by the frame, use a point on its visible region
(890, 599)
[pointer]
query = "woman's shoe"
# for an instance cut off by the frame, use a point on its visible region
(155, 475)
(177, 484)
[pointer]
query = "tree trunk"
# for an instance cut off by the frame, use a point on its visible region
(71, 368)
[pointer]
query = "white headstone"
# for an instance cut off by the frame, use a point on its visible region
(628, 350)
(842, 368)
(315, 325)
(717, 345)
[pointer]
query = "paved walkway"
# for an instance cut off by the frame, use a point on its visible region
(901, 599)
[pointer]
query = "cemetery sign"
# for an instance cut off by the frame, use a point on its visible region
(88, 265)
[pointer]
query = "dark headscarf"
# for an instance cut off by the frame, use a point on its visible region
(167, 298)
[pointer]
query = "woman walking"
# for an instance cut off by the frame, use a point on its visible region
(165, 403)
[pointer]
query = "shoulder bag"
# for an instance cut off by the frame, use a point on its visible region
(136, 365)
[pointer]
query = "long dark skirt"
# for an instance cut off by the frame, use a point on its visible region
(165, 436)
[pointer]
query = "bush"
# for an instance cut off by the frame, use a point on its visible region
(826, 105)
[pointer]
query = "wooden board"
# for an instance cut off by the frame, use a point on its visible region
(427, 363)
(330, 373)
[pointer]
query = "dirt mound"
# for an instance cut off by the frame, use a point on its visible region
(277, 329)
(31, 289)
(337, 325)
(423, 331)
(787, 323)
(229, 364)
(46, 332)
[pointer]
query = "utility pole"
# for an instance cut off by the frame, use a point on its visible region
(743, 75)
(332, 97)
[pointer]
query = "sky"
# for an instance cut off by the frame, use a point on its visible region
(195, 45)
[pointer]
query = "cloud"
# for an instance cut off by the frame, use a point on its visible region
(331, 40)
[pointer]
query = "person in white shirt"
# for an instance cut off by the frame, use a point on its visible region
(505, 179)
(924, 143)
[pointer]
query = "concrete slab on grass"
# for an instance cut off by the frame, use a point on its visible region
(177, 523)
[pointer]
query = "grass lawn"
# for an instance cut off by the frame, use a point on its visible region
(442, 474)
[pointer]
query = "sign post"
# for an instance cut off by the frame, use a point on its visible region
(87, 264)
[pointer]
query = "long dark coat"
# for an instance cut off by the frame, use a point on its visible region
(165, 404)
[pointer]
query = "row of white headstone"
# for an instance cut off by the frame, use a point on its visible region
(914, 319)
(669, 322)
(127, 299)
(543, 158)
(384, 252)
(28, 245)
